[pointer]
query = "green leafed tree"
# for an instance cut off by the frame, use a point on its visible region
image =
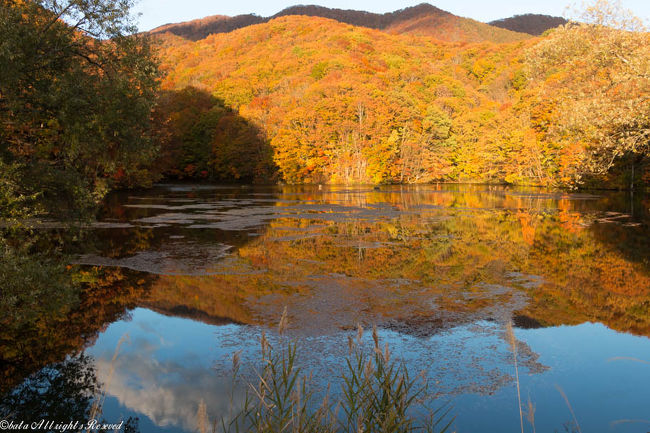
(77, 86)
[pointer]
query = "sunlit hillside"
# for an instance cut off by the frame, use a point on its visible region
(337, 103)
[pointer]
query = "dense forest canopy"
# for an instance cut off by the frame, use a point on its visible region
(596, 75)
(342, 104)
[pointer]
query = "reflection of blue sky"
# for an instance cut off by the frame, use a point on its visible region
(599, 390)
(163, 371)
(167, 368)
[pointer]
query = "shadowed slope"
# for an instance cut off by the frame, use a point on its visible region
(533, 24)
(201, 28)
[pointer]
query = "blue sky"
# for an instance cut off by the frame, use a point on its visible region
(158, 12)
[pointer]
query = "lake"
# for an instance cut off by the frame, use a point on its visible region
(184, 276)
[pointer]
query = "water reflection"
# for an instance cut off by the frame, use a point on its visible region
(414, 259)
(59, 312)
(62, 392)
(172, 365)
(164, 371)
(440, 269)
(64, 396)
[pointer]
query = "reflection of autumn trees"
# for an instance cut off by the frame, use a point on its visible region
(411, 258)
(393, 255)
(587, 279)
(215, 299)
(401, 249)
(61, 393)
(55, 312)
(452, 256)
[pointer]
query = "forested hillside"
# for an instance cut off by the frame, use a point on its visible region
(336, 103)
(422, 19)
(308, 99)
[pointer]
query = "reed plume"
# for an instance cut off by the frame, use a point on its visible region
(510, 335)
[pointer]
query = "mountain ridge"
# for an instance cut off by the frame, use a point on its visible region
(533, 24)
(421, 20)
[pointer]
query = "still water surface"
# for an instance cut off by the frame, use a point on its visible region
(198, 272)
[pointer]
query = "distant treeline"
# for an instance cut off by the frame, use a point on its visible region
(421, 20)
(534, 24)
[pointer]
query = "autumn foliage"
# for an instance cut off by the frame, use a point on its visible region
(336, 103)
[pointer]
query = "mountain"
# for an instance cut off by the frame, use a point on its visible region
(303, 99)
(422, 20)
(337, 103)
(533, 24)
(198, 29)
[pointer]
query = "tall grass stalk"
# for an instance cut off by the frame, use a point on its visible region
(98, 404)
(566, 400)
(510, 334)
(377, 394)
